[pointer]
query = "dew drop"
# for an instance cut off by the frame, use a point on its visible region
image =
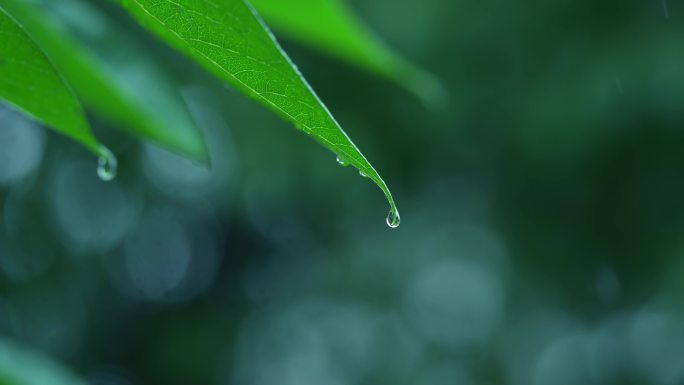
(363, 174)
(393, 219)
(106, 165)
(342, 162)
(302, 127)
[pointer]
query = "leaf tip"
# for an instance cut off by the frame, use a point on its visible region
(428, 88)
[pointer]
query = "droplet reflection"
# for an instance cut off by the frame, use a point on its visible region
(106, 165)
(342, 162)
(393, 219)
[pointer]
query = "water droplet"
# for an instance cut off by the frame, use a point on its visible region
(302, 127)
(106, 165)
(342, 162)
(393, 219)
(363, 174)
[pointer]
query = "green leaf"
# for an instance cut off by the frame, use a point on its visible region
(331, 27)
(230, 41)
(120, 84)
(29, 82)
(21, 366)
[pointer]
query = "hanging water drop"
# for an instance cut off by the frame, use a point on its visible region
(106, 165)
(302, 127)
(342, 162)
(363, 174)
(393, 219)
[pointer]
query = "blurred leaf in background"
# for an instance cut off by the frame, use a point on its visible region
(331, 27)
(111, 72)
(29, 82)
(21, 366)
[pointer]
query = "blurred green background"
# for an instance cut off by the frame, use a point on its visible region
(542, 239)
